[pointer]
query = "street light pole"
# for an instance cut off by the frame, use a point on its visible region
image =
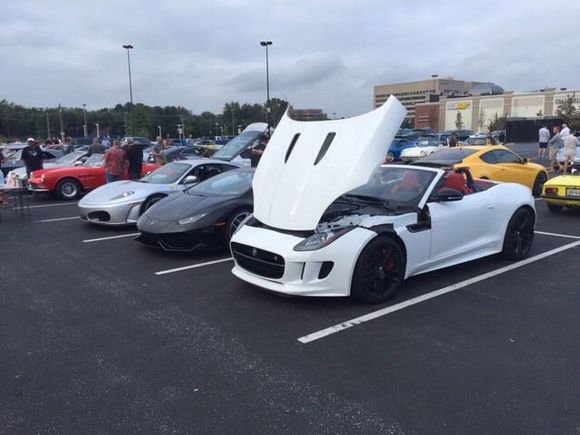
(268, 109)
(130, 47)
(434, 77)
(159, 128)
(85, 124)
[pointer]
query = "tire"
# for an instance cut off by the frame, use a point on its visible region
(379, 271)
(68, 189)
(150, 202)
(541, 178)
(555, 208)
(519, 235)
(234, 222)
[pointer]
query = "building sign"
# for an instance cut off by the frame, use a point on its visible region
(463, 105)
(563, 98)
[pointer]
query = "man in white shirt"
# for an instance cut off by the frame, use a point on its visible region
(570, 147)
(565, 131)
(543, 139)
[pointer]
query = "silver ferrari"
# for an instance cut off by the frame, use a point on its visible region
(122, 202)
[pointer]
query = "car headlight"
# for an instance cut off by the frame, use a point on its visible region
(321, 239)
(123, 195)
(191, 219)
(42, 179)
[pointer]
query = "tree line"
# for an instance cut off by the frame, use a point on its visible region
(18, 122)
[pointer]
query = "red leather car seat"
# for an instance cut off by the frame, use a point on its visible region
(409, 182)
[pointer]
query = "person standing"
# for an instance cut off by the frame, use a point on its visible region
(258, 150)
(96, 148)
(105, 142)
(32, 156)
(543, 139)
(158, 151)
(452, 141)
(135, 160)
(565, 131)
(114, 162)
(570, 148)
(555, 144)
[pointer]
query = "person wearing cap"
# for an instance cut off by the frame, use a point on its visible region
(32, 156)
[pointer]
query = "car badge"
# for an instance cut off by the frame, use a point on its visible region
(254, 252)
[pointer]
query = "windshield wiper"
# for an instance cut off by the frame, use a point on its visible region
(365, 198)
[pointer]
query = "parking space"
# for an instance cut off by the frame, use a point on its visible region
(97, 330)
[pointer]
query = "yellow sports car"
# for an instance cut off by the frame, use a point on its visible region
(562, 191)
(496, 163)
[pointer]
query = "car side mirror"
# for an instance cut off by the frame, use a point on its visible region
(525, 161)
(77, 163)
(190, 179)
(448, 194)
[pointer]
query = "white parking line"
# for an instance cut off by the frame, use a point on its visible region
(417, 300)
(566, 236)
(111, 237)
(59, 219)
(193, 266)
(53, 205)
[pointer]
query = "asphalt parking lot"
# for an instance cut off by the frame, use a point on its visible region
(100, 334)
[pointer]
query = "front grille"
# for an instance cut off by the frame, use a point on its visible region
(258, 261)
(101, 216)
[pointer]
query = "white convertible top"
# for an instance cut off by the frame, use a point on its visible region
(307, 165)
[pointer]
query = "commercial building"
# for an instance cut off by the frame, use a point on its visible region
(423, 91)
(476, 111)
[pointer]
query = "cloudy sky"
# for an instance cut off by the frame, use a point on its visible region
(326, 54)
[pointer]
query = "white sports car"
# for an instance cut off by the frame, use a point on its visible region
(425, 146)
(322, 227)
(122, 202)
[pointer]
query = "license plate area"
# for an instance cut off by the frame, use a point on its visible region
(573, 192)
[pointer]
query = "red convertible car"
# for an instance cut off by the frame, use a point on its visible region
(69, 182)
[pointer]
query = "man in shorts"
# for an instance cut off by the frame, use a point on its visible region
(570, 149)
(543, 139)
(555, 144)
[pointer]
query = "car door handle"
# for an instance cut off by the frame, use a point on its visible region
(489, 206)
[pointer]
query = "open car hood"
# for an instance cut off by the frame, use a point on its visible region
(300, 173)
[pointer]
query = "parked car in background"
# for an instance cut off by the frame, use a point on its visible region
(206, 214)
(496, 163)
(423, 147)
(12, 157)
(562, 192)
(76, 158)
(480, 139)
(71, 181)
(138, 140)
(460, 134)
(399, 144)
(122, 202)
(175, 153)
(238, 150)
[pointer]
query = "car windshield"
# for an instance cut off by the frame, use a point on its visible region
(166, 174)
(238, 144)
(233, 182)
(393, 187)
(13, 154)
(69, 159)
(94, 161)
(428, 142)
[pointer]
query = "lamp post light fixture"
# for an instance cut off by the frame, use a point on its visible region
(266, 44)
(85, 124)
(129, 47)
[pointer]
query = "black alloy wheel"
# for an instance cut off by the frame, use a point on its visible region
(234, 222)
(379, 271)
(150, 202)
(541, 178)
(69, 189)
(519, 235)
